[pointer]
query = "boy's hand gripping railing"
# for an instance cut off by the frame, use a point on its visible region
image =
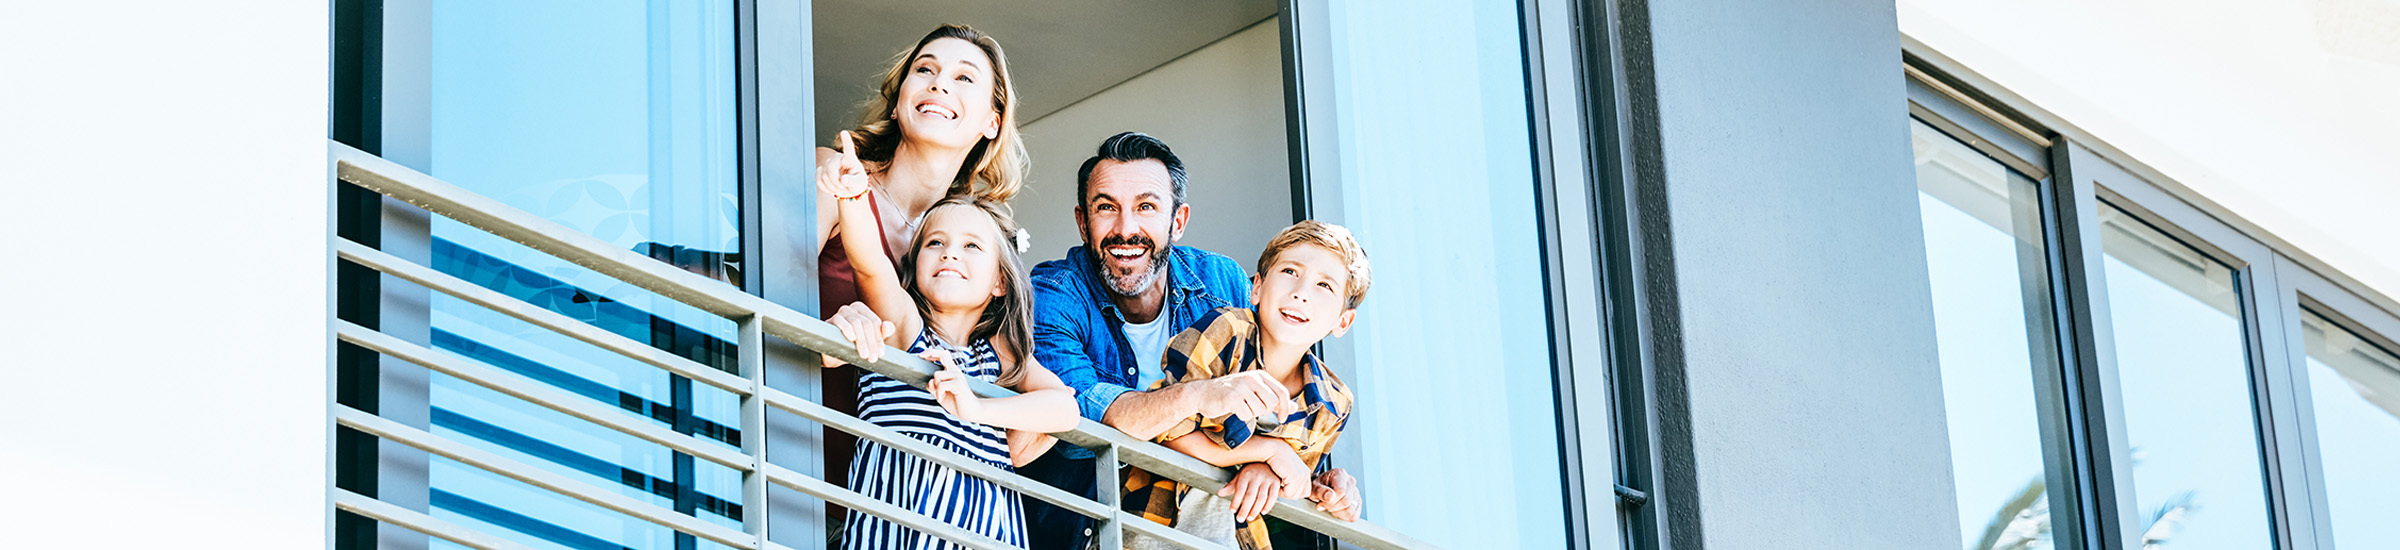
(757, 319)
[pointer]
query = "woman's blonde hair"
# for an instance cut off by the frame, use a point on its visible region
(995, 168)
(1008, 318)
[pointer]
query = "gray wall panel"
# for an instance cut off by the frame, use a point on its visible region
(1815, 399)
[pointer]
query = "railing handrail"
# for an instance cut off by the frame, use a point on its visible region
(768, 318)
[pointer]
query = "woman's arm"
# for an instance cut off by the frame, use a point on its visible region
(827, 214)
(878, 278)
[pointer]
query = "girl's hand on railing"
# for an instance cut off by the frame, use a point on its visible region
(1337, 495)
(862, 328)
(949, 386)
(1253, 490)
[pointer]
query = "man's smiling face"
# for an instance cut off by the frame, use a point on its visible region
(1129, 219)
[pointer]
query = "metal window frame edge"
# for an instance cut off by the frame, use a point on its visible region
(1651, 419)
(2091, 172)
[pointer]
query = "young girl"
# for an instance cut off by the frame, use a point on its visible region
(959, 298)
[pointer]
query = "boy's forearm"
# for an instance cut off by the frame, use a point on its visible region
(1256, 449)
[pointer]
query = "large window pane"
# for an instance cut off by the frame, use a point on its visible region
(1983, 247)
(2356, 389)
(616, 120)
(1457, 425)
(2181, 360)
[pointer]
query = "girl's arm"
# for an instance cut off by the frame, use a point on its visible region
(878, 278)
(1043, 405)
(1025, 446)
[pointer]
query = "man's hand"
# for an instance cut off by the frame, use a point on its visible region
(1249, 395)
(1253, 491)
(862, 328)
(1337, 494)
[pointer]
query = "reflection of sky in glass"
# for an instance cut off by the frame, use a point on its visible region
(616, 120)
(1437, 181)
(1980, 325)
(2186, 388)
(2356, 389)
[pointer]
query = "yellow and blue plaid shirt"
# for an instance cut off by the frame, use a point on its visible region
(1224, 342)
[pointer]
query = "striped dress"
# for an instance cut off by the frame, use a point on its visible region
(920, 485)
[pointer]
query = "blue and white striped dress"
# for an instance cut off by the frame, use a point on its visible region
(920, 485)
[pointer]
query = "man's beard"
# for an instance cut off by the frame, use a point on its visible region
(1125, 285)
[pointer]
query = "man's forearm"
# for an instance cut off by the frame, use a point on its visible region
(1144, 415)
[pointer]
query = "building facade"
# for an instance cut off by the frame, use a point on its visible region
(1648, 274)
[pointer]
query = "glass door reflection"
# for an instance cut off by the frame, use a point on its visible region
(615, 120)
(2355, 388)
(1984, 250)
(2190, 416)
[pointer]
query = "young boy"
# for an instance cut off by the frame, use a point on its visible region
(1309, 283)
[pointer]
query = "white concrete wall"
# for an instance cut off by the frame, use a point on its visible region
(1220, 107)
(2280, 111)
(163, 348)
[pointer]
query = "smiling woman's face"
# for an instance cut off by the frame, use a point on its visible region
(958, 258)
(947, 96)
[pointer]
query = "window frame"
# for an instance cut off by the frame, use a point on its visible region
(2277, 282)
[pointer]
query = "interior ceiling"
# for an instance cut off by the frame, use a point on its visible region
(1059, 51)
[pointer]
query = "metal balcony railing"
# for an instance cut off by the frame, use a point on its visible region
(757, 319)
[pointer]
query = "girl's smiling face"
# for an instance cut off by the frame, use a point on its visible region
(958, 258)
(948, 95)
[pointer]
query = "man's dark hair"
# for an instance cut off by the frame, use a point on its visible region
(1129, 147)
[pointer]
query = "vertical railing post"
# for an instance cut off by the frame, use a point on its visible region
(750, 356)
(1108, 534)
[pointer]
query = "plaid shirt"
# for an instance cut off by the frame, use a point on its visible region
(1226, 342)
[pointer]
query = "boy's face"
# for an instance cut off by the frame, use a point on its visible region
(1300, 295)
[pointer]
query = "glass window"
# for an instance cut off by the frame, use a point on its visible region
(2176, 315)
(1992, 319)
(616, 120)
(2355, 387)
(1437, 181)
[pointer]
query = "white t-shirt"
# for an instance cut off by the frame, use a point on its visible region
(1149, 342)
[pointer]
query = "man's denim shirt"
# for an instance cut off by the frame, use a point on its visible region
(1079, 333)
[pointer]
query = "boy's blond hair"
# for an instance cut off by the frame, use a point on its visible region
(1333, 238)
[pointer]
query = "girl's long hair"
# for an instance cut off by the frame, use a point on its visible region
(995, 168)
(1007, 318)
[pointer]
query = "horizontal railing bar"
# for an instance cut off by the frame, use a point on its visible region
(552, 481)
(415, 521)
(432, 194)
(536, 315)
(1141, 525)
(876, 507)
(896, 440)
(492, 216)
(535, 392)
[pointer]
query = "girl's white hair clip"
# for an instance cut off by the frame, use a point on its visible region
(1024, 240)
